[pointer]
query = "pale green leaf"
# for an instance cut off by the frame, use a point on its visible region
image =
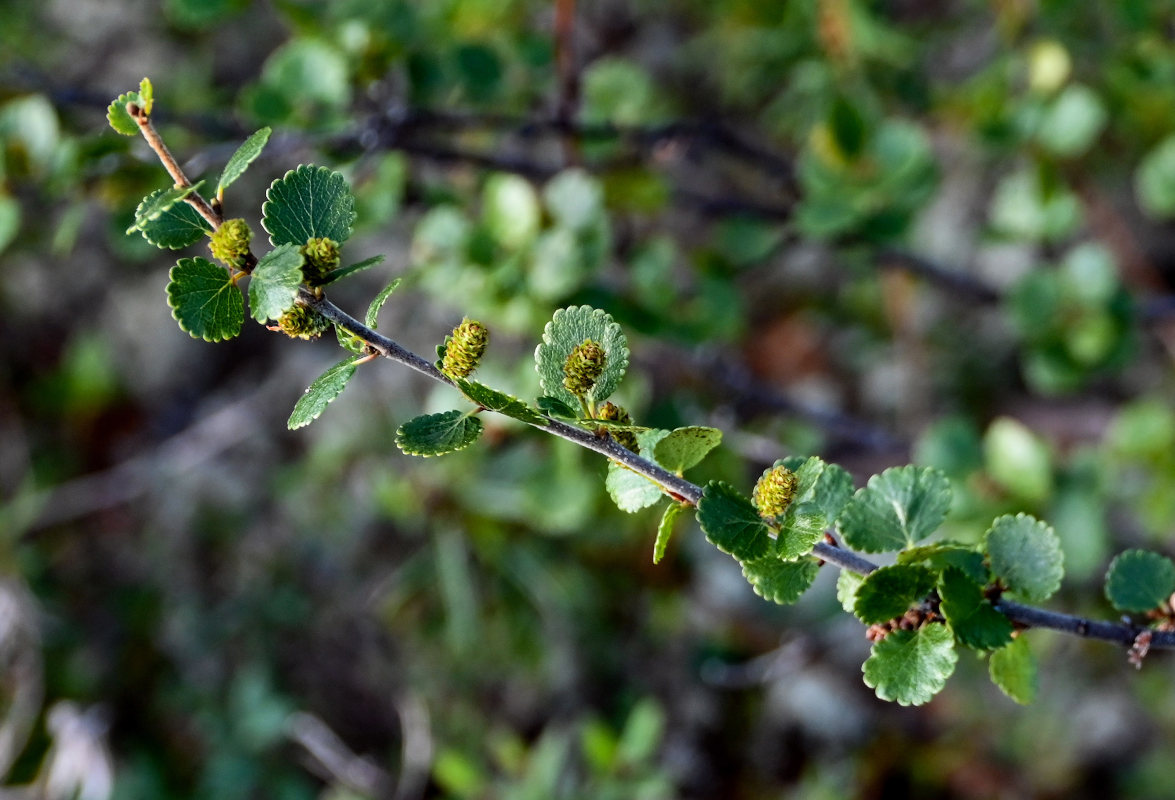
(911, 667)
(1018, 459)
(245, 155)
(1139, 580)
(378, 302)
(500, 402)
(1025, 554)
(630, 490)
(897, 508)
(685, 447)
(308, 202)
(147, 94)
(665, 530)
(1154, 180)
(9, 221)
(274, 282)
(847, 584)
(888, 592)
(575, 199)
(437, 434)
(321, 393)
(973, 619)
(1013, 670)
(568, 329)
(829, 485)
(155, 204)
(204, 300)
(510, 210)
(731, 523)
(119, 118)
(778, 580)
(351, 269)
(176, 227)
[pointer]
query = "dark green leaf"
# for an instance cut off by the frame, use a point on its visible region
(665, 530)
(896, 509)
(274, 282)
(342, 272)
(972, 618)
(204, 300)
(119, 118)
(568, 329)
(1013, 670)
(378, 302)
(178, 226)
(911, 667)
(731, 523)
(685, 447)
(888, 592)
(1139, 580)
(554, 407)
(500, 402)
(940, 555)
(155, 204)
(1025, 554)
(321, 393)
(245, 155)
(800, 528)
(780, 581)
(308, 202)
(437, 434)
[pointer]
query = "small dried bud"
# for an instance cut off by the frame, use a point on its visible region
(230, 242)
(301, 322)
(614, 413)
(584, 365)
(464, 348)
(774, 492)
(321, 256)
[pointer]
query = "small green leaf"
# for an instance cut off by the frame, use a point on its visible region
(274, 282)
(665, 530)
(897, 508)
(321, 393)
(1139, 580)
(780, 581)
(510, 210)
(155, 204)
(888, 592)
(911, 667)
(500, 402)
(629, 490)
(119, 118)
(972, 618)
(350, 342)
(178, 226)
(847, 584)
(800, 528)
(829, 485)
(569, 328)
(731, 523)
(1018, 459)
(342, 272)
(685, 447)
(1154, 180)
(437, 434)
(554, 407)
(204, 300)
(1013, 670)
(378, 302)
(306, 203)
(147, 94)
(1025, 554)
(239, 162)
(940, 555)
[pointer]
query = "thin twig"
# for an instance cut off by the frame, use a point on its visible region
(195, 200)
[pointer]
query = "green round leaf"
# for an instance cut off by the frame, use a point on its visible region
(685, 447)
(940, 555)
(510, 210)
(575, 199)
(204, 300)
(1073, 121)
(780, 581)
(119, 118)
(800, 528)
(1018, 459)
(630, 491)
(972, 618)
(911, 667)
(569, 328)
(888, 592)
(1026, 554)
(1139, 580)
(274, 282)
(828, 485)
(437, 434)
(321, 393)
(1013, 670)
(847, 584)
(245, 155)
(500, 402)
(1154, 181)
(306, 203)
(731, 523)
(896, 509)
(176, 227)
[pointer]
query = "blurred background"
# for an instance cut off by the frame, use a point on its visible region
(879, 232)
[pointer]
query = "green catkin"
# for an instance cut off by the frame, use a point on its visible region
(301, 322)
(464, 348)
(583, 367)
(230, 242)
(614, 413)
(320, 256)
(774, 492)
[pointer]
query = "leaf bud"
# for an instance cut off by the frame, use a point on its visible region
(230, 242)
(464, 348)
(301, 322)
(583, 367)
(774, 492)
(321, 256)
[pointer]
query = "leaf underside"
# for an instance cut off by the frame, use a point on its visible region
(568, 329)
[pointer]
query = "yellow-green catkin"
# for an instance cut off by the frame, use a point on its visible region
(774, 492)
(464, 348)
(301, 322)
(320, 256)
(583, 367)
(230, 242)
(614, 413)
